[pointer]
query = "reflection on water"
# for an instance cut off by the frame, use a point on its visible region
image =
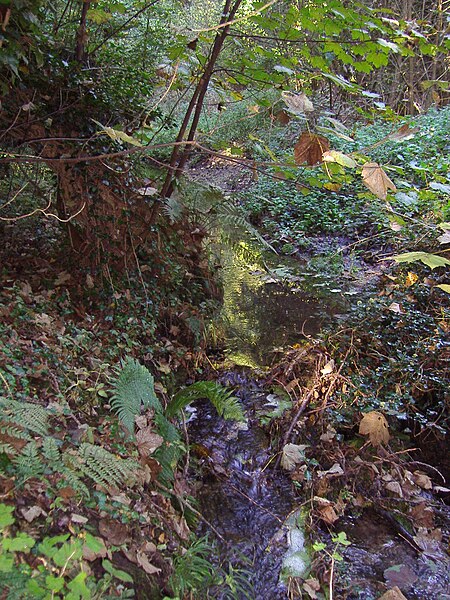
(268, 301)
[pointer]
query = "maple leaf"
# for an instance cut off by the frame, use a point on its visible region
(374, 425)
(298, 104)
(376, 180)
(310, 148)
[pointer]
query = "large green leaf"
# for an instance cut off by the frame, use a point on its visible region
(431, 260)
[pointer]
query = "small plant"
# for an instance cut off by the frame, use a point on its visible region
(51, 568)
(340, 541)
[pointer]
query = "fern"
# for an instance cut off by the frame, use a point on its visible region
(133, 388)
(71, 478)
(51, 452)
(193, 571)
(26, 415)
(103, 467)
(223, 400)
(28, 464)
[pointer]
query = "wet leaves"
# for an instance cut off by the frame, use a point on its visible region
(400, 575)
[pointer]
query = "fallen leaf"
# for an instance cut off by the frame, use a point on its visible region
(310, 148)
(113, 531)
(293, 454)
(311, 586)
(399, 575)
(374, 425)
(340, 158)
(422, 515)
(404, 133)
(376, 180)
(29, 514)
(395, 307)
(411, 279)
(328, 514)
(143, 561)
(395, 488)
(335, 471)
(422, 480)
(63, 278)
(78, 519)
(93, 548)
(148, 441)
(328, 368)
(394, 594)
(329, 435)
(444, 238)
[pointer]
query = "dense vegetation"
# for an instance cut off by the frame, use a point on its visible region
(335, 117)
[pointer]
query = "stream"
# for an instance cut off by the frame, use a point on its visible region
(250, 508)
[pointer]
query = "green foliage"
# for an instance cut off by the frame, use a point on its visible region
(192, 571)
(133, 389)
(25, 415)
(58, 573)
(103, 467)
(224, 402)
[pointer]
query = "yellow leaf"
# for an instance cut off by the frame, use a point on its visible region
(376, 180)
(411, 279)
(374, 425)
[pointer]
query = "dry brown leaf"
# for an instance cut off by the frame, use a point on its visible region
(299, 104)
(293, 454)
(142, 561)
(374, 425)
(113, 531)
(29, 514)
(311, 586)
(422, 515)
(328, 514)
(328, 368)
(395, 488)
(310, 148)
(422, 480)
(376, 180)
(404, 133)
(394, 594)
(148, 441)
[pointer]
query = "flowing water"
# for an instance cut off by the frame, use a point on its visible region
(251, 508)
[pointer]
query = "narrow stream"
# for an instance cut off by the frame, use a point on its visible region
(251, 508)
(269, 303)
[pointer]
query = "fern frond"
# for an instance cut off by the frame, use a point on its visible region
(71, 478)
(28, 464)
(173, 209)
(103, 467)
(6, 449)
(224, 402)
(133, 388)
(229, 214)
(24, 414)
(14, 431)
(51, 452)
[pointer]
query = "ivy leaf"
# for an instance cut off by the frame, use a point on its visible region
(431, 260)
(376, 180)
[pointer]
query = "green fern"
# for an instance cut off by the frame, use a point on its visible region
(222, 399)
(25, 415)
(71, 477)
(51, 452)
(133, 388)
(103, 467)
(28, 464)
(193, 571)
